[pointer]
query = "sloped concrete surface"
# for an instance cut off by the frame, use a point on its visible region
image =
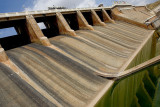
(137, 15)
(68, 72)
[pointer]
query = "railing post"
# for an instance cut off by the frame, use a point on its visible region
(35, 32)
(83, 24)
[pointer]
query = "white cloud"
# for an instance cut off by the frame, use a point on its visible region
(44, 4)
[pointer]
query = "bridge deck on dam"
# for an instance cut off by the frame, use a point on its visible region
(66, 74)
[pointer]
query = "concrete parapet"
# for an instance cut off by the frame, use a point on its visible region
(35, 32)
(3, 56)
(96, 19)
(106, 17)
(64, 28)
(83, 24)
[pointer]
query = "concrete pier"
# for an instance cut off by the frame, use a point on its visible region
(35, 32)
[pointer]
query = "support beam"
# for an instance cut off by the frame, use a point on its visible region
(3, 56)
(35, 32)
(106, 17)
(83, 24)
(64, 28)
(96, 20)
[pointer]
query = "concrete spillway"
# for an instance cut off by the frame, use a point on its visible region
(16, 92)
(70, 68)
(65, 75)
(64, 79)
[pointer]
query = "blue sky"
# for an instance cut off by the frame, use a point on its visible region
(27, 5)
(21, 5)
(14, 5)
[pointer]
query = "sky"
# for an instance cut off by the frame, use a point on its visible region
(23, 5)
(31, 5)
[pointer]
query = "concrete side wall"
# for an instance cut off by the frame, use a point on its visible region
(126, 92)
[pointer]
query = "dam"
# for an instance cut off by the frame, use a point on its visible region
(104, 56)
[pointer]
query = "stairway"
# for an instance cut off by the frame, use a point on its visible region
(147, 90)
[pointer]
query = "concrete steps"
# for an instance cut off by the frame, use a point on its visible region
(147, 90)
